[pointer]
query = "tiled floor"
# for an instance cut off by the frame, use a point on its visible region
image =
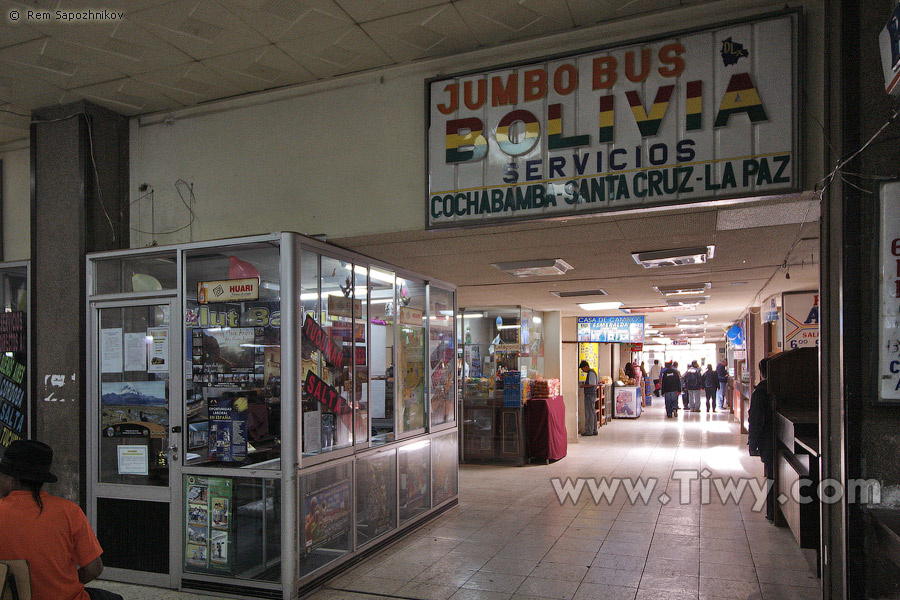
(511, 539)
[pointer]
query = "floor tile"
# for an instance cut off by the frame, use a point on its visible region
(618, 577)
(549, 570)
(494, 582)
(674, 583)
(570, 557)
(788, 592)
(426, 591)
(464, 594)
(727, 588)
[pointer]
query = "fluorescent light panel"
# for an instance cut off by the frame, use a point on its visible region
(535, 268)
(675, 257)
(579, 294)
(600, 305)
(687, 289)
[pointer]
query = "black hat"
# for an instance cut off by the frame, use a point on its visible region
(29, 460)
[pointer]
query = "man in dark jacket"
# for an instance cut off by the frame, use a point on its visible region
(722, 373)
(710, 385)
(693, 384)
(670, 384)
(761, 438)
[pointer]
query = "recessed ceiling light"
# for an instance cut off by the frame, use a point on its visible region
(687, 301)
(535, 268)
(738, 283)
(638, 310)
(600, 305)
(578, 294)
(671, 258)
(691, 319)
(686, 289)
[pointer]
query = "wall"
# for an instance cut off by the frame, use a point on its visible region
(16, 197)
(345, 157)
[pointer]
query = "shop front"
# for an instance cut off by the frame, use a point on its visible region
(263, 410)
(14, 344)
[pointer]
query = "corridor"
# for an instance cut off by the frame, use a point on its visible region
(510, 539)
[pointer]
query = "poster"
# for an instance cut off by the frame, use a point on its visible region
(136, 352)
(589, 351)
(627, 403)
(224, 355)
(12, 331)
(158, 355)
(326, 513)
(12, 399)
(142, 402)
(227, 432)
(800, 315)
(611, 329)
(208, 531)
(889, 295)
(111, 350)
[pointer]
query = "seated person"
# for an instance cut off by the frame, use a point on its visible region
(51, 533)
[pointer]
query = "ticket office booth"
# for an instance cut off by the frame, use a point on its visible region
(262, 410)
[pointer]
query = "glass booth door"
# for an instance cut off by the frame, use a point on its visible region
(134, 432)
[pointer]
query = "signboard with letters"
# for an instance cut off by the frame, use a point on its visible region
(677, 120)
(889, 296)
(228, 290)
(611, 329)
(800, 313)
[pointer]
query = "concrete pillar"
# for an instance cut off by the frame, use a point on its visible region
(79, 195)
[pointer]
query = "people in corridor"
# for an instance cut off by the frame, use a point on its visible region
(761, 438)
(670, 383)
(710, 385)
(693, 383)
(722, 374)
(655, 370)
(590, 398)
(51, 533)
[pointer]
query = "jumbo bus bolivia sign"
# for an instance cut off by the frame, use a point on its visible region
(695, 117)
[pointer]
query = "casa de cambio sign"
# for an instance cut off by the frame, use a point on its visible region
(699, 116)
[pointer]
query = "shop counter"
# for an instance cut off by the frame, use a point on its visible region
(545, 422)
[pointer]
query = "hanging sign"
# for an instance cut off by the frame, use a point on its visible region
(889, 304)
(411, 316)
(321, 340)
(693, 117)
(315, 387)
(770, 309)
(611, 329)
(228, 290)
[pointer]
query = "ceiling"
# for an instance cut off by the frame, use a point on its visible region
(753, 241)
(163, 55)
(167, 54)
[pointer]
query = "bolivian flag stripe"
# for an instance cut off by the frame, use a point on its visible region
(741, 97)
(607, 119)
(649, 124)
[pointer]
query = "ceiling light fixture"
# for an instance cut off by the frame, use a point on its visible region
(639, 310)
(687, 301)
(579, 294)
(687, 289)
(676, 257)
(535, 268)
(600, 305)
(691, 319)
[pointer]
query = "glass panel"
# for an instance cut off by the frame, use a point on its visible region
(326, 514)
(376, 496)
(133, 355)
(381, 354)
(444, 467)
(411, 368)
(233, 527)
(360, 353)
(415, 479)
(531, 359)
(233, 340)
(327, 353)
(146, 273)
(442, 355)
(14, 361)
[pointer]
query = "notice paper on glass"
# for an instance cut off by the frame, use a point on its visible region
(158, 357)
(111, 350)
(132, 460)
(135, 352)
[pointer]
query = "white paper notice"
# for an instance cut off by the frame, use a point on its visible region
(111, 350)
(132, 460)
(135, 352)
(158, 357)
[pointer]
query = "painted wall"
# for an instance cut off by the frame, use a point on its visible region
(344, 157)
(16, 196)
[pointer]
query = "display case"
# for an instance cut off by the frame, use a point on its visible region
(499, 349)
(276, 404)
(15, 336)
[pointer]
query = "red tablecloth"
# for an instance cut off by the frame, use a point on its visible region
(545, 422)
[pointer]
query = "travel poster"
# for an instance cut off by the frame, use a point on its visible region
(225, 350)
(326, 513)
(227, 432)
(208, 532)
(141, 402)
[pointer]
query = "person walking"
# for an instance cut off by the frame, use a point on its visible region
(590, 398)
(51, 533)
(670, 383)
(710, 385)
(761, 436)
(722, 374)
(655, 370)
(693, 383)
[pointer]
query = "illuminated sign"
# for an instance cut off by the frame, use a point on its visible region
(611, 329)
